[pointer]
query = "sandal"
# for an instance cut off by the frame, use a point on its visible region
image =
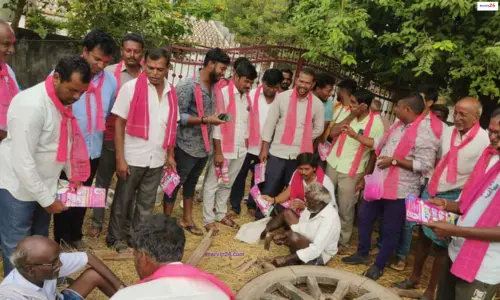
(95, 232)
(212, 226)
(406, 284)
(191, 229)
(228, 222)
(232, 215)
(120, 247)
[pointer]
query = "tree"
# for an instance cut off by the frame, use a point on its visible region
(161, 22)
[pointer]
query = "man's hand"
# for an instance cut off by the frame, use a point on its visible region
(122, 169)
(359, 110)
(77, 184)
(384, 162)
(56, 207)
(219, 160)
(213, 120)
(297, 204)
(348, 129)
(170, 164)
(267, 198)
(360, 185)
(443, 229)
(263, 155)
(280, 261)
(440, 203)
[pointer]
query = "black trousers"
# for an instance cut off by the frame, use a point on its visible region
(238, 188)
(68, 224)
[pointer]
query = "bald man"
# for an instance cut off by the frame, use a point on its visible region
(8, 84)
(39, 263)
(469, 140)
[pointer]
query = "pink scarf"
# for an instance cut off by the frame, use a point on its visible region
(110, 121)
(359, 154)
(138, 118)
(291, 124)
(190, 272)
(436, 125)
(118, 77)
(97, 91)
(450, 160)
(8, 89)
(254, 121)
(402, 150)
(228, 129)
(79, 156)
(472, 253)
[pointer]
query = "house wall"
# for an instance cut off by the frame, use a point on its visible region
(35, 58)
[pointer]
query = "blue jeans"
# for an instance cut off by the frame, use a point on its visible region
(69, 294)
(18, 220)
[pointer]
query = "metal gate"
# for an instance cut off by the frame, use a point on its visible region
(185, 60)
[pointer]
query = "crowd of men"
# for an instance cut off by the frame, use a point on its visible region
(88, 120)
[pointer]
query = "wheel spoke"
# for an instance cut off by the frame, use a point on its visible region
(369, 296)
(341, 290)
(312, 285)
(291, 292)
(271, 297)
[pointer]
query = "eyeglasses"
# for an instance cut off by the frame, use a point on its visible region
(493, 133)
(53, 264)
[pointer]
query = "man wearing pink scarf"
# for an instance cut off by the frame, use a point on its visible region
(43, 136)
(158, 250)
(145, 135)
(132, 52)
(8, 84)
(91, 113)
(294, 120)
(471, 270)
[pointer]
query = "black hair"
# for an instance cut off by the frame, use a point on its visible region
(239, 61)
(73, 64)
(323, 79)
(310, 72)
(348, 84)
(441, 108)
(495, 113)
(216, 55)
(307, 158)
(287, 70)
(102, 40)
(134, 37)
(364, 96)
(430, 92)
(272, 77)
(246, 69)
(415, 103)
(156, 54)
(161, 238)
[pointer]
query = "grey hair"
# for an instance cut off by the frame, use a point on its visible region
(318, 192)
(18, 258)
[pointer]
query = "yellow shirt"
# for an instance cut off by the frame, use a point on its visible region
(343, 163)
(340, 112)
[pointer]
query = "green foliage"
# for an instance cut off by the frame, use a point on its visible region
(160, 21)
(40, 24)
(402, 43)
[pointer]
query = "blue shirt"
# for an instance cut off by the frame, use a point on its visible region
(94, 140)
(328, 106)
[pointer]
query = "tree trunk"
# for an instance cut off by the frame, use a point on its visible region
(18, 13)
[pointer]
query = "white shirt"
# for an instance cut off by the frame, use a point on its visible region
(178, 288)
(467, 156)
(263, 110)
(28, 166)
(241, 125)
(323, 230)
(71, 263)
(140, 152)
(489, 272)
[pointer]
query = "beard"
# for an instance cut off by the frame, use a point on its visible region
(213, 77)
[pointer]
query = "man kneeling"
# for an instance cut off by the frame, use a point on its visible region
(314, 236)
(38, 263)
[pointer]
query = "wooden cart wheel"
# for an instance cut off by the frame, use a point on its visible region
(313, 283)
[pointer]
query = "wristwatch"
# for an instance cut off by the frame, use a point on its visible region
(394, 162)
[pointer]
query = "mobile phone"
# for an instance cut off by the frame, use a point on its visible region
(222, 117)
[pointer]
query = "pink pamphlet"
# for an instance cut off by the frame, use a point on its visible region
(169, 182)
(260, 173)
(265, 207)
(222, 174)
(421, 211)
(324, 150)
(85, 196)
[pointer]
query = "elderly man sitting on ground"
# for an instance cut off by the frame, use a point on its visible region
(314, 236)
(158, 249)
(38, 263)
